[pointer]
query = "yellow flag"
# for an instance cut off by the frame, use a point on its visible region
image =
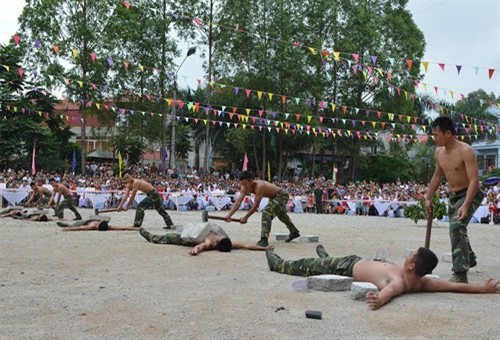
(268, 171)
(120, 163)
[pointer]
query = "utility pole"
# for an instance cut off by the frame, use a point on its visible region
(162, 94)
(209, 89)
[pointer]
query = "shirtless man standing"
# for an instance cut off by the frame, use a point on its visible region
(41, 192)
(391, 280)
(62, 190)
(278, 198)
(152, 200)
(456, 161)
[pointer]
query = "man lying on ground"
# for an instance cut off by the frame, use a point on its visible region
(212, 241)
(23, 214)
(391, 280)
(92, 224)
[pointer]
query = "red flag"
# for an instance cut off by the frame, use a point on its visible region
(33, 167)
(245, 162)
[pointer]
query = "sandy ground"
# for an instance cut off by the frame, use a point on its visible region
(115, 285)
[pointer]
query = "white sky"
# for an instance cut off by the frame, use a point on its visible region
(457, 32)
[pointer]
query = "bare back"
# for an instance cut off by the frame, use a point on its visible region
(457, 163)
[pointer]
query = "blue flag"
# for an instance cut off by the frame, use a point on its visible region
(73, 162)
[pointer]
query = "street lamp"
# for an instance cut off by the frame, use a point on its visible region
(171, 162)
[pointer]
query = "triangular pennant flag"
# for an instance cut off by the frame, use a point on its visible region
(16, 38)
(74, 52)
(259, 94)
(283, 99)
(125, 63)
(425, 64)
(373, 59)
(355, 56)
(297, 100)
(270, 95)
(126, 4)
(248, 92)
(56, 49)
(236, 89)
(441, 65)
(141, 68)
(490, 73)
(409, 63)
(459, 67)
(93, 56)
(336, 55)
(20, 71)
(313, 50)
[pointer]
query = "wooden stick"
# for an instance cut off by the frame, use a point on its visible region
(428, 230)
(222, 218)
(97, 212)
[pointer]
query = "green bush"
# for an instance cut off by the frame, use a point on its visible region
(417, 211)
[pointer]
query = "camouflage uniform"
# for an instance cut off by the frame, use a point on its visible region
(315, 265)
(276, 208)
(42, 202)
(461, 252)
(152, 200)
(74, 224)
(67, 203)
(168, 238)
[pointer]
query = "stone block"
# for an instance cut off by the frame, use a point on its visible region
(309, 238)
(407, 252)
(32, 212)
(281, 236)
(447, 258)
(360, 289)
(100, 218)
(329, 283)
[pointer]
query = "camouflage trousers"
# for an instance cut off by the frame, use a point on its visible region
(276, 208)
(317, 266)
(152, 200)
(74, 224)
(42, 202)
(461, 252)
(172, 238)
(67, 203)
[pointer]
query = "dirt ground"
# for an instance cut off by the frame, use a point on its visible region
(115, 285)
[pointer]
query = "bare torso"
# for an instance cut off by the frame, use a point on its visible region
(43, 191)
(62, 190)
(451, 160)
(140, 185)
(263, 189)
(382, 274)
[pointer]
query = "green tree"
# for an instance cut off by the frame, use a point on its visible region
(28, 121)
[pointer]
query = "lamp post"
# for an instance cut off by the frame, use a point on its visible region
(171, 160)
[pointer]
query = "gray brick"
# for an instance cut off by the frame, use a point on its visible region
(360, 289)
(447, 258)
(309, 238)
(329, 283)
(281, 236)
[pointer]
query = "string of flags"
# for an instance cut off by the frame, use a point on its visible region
(322, 105)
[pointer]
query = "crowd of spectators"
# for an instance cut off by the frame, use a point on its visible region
(316, 195)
